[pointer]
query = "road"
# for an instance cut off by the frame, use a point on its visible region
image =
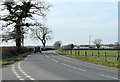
(51, 66)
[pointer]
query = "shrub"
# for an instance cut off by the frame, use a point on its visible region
(12, 51)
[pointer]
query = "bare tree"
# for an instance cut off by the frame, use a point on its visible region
(42, 33)
(17, 14)
(57, 44)
(97, 42)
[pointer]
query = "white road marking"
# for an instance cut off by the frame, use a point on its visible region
(21, 79)
(54, 60)
(32, 79)
(16, 74)
(24, 73)
(110, 69)
(28, 76)
(73, 67)
(20, 70)
(25, 59)
(47, 56)
(107, 76)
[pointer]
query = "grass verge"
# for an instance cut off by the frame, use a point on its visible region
(111, 62)
(11, 60)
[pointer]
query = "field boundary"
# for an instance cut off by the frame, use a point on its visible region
(110, 58)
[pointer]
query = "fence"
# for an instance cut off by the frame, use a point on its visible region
(106, 54)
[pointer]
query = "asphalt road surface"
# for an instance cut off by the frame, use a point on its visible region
(51, 66)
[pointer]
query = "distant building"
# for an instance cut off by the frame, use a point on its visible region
(76, 47)
(87, 46)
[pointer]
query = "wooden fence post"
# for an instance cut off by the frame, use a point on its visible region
(92, 53)
(75, 52)
(71, 52)
(78, 53)
(98, 54)
(105, 55)
(86, 53)
(118, 55)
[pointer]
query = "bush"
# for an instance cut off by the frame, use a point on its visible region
(12, 51)
(67, 47)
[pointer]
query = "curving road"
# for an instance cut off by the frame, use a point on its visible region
(51, 66)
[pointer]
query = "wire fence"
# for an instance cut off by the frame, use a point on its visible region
(106, 54)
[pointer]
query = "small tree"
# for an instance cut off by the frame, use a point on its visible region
(97, 42)
(42, 33)
(69, 46)
(57, 44)
(117, 45)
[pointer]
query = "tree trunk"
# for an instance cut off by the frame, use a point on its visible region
(43, 42)
(98, 45)
(44, 45)
(18, 38)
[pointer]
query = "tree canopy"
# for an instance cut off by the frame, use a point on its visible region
(42, 33)
(97, 42)
(21, 15)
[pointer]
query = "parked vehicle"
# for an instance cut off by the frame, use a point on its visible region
(37, 49)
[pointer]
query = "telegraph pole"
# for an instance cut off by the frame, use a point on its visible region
(89, 40)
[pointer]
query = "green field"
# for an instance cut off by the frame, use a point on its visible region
(102, 57)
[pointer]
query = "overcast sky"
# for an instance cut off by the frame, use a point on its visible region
(74, 22)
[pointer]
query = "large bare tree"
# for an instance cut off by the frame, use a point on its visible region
(42, 33)
(21, 14)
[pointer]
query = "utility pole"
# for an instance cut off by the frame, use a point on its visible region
(89, 40)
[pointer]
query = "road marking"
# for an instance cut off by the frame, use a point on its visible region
(25, 59)
(107, 76)
(73, 67)
(21, 79)
(54, 60)
(25, 74)
(47, 56)
(110, 69)
(28, 76)
(16, 74)
(32, 79)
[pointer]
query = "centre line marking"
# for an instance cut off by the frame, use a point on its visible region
(54, 60)
(107, 76)
(108, 68)
(73, 67)
(47, 56)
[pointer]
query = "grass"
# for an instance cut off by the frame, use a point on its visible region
(92, 56)
(110, 53)
(10, 60)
